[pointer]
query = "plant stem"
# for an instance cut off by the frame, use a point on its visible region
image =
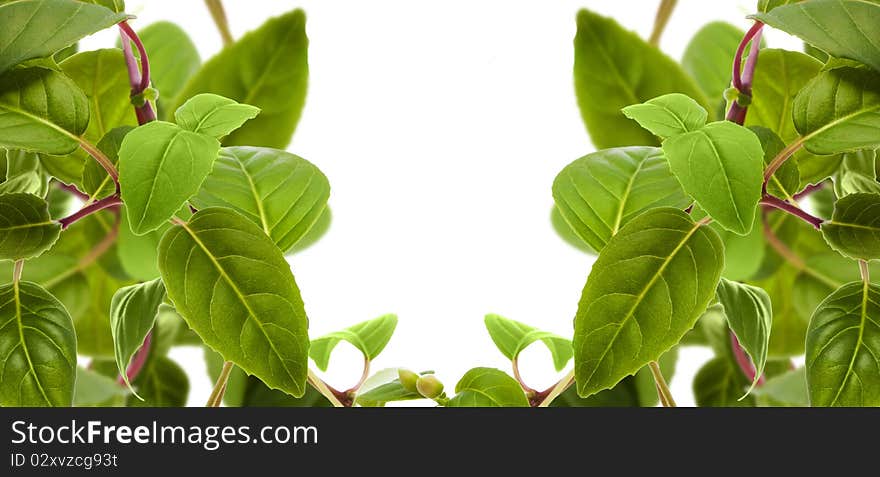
(525, 387)
(16, 271)
(364, 375)
(545, 398)
(664, 11)
(216, 396)
(792, 209)
(780, 159)
(745, 364)
(742, 79)
(102, 204)
(139, 79)
(137, 363)
(809, 190)
(73, 190)
(100, 157)
(218, 13)
(325, 390)
(782, 249)
(662, 388)
(863, 270)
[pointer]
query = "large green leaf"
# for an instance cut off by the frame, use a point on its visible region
(749, 313)
(160, 167)
(842, 28)
(233, 287)
(213, 115)
(843, 346)
(369, 337)
(600, 192)
(839, 111)
(614, 68)
(41, 110)
(719, 383)
(39, 28)
(511, 337)
(708, 58)
(174, 59)
(721, 166)
(668, 115)
(645, 291)
(37, 348)
(162, 383)
(488, 387)
(267, 68)
(854, 229)
(857, 173)
(282, 193)
(26, 230)
(133, 312)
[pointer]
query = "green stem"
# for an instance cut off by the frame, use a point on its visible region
(525, 387)
(100, 157)
(218, 13)
(557, 389)
(16, 271)
(780, 158)
(325, 390)
(662, 388)
(219, 390)
(664, 11)
(863, 269)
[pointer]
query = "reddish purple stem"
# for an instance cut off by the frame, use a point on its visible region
(792, 209)
(137, 363)
(139, 78)
(745, 364)
(90, 209)
(809, 190)
(742, 78)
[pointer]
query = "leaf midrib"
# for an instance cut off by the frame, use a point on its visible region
(257, 200)
(24, 347)
(863, 313)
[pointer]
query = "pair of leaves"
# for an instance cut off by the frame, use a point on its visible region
(369, 337)
(235, 290)
(719, 164)
(162, 165)
(487, 387)
(511, 337)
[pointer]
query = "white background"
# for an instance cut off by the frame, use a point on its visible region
(441, 126)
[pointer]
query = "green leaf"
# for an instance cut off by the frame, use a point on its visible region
(721, 166)
(789, 389)
(93, 389)
(24, 173)
(719, 383)
(174, 59)
(282, 193)
(767, 5)
(854, 229)
(162, 383)
(267, 68)
(857, 173)
(160, 167)
(213, 115)
(842, 28)
(749, 313)
(668, 115)
(39, 28)
(743, 254)
(614, 68)
(37, 348)
(511, 337)
(786, 181)
(708, 58)
(645, 291)
(26, 230)
(839, 111)
(384, 387)
(41, 110)
(139, 254)
(114, 5)
(843, 345)
(252, 314)
(823, 273)
(567, 233)
(369, 337)
(320, 227)
(95, 180)
(133, 312)
(600, 192)
(487, 387)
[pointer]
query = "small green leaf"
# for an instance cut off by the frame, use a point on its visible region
(162, 383)
(789, 389)
(600, 192)
(24, 173)
(267, 68)
(719, 383)
(843, 346)
(253, 314)
(487, 387)
(93, 389)
(786, 181)
(857, 173)
(854, 229)
(41, 110)
(174, 59)
(708, 58)
(382, 387)
(133, 312)
(160, 167)
(839, 111)
(645, 291)
(668, 115)
(511, 337)
(721, 166)
(39, 28)
(614, 68)
(26, 230)
(213, 115)
(842, 28)
(37, 348)
(282, 193)
(749, 313)
(369, 337)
